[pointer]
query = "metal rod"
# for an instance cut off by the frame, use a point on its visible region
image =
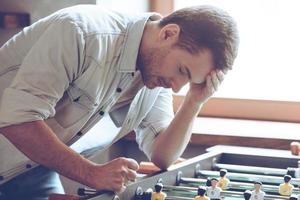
(249, 177)
(232, 185)
(169, 189)
(252, 169)
(178, 198)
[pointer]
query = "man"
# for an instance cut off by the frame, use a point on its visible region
(64, 73)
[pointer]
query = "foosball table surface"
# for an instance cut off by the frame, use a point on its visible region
(244, 165)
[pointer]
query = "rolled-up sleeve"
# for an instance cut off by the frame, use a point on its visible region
(52, 63)
(159, 117)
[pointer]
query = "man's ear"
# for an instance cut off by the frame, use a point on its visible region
(169, 33)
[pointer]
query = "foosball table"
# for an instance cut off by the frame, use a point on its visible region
(246, 168)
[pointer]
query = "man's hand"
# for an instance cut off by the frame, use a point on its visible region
(113, 175)
(200, 93)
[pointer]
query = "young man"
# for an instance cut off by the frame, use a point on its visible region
(61, 75)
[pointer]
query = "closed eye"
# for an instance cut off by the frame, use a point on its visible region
(182, 71)
(185, 71)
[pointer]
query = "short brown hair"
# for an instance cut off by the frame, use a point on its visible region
(206, 27)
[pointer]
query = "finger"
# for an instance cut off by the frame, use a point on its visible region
(118, 184)
(225, 70)
(124, 174)
(209, 84)
(215, 80)
(132, 164)
(121, 189)
(220, 76)
(131, 175)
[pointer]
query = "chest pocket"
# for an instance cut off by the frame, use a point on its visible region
(74, 107)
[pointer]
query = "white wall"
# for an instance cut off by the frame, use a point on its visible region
(127, 6)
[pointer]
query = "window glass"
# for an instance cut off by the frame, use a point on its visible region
(268, 63)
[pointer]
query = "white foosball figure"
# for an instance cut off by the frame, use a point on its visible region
(294, 197)
(257, 193)
(247, 194)
(297, 170)
(213, 191)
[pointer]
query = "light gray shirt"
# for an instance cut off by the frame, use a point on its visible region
(69, 69)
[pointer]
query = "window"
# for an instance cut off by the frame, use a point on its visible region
(264, 83)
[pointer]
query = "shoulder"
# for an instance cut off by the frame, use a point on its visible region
(93, 19)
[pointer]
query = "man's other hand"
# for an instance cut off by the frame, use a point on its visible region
(113, 175)
(200, 93)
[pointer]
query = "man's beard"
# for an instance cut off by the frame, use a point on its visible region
(149, 62)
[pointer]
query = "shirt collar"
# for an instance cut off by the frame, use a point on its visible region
(132, 42)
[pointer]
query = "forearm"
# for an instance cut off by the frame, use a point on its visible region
(171, 142)
(38, 142)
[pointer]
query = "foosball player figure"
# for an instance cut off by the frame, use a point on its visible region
(297, 170)
(201, 194)
(158, 194)
(247, 194)
(213, 191)
(294, 171)
(294, 197)
(208, 182)
(286, 188)
(223, 181)
(257, 193)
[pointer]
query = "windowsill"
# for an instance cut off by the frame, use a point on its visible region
(247, 128)
(250, 133)
(253, 133)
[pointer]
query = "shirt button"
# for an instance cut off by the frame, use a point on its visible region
(119, 90)
(28, 166)
(101, 112)
(77, 99)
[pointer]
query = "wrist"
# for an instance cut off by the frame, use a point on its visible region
(192, 105)
(87, 176)
(192, 101)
